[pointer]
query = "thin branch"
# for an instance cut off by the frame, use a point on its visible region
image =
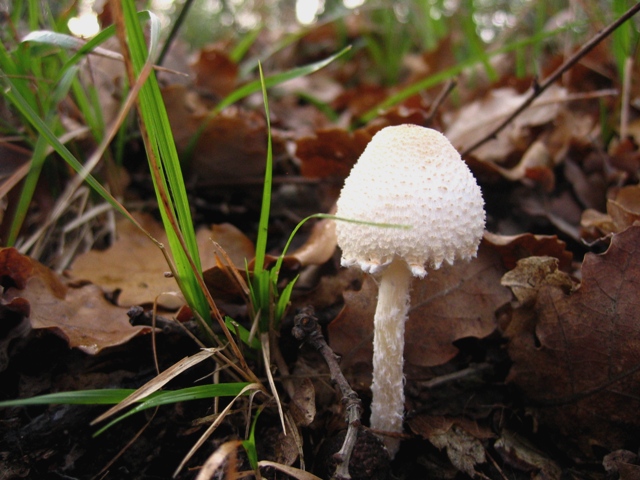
(538, 88)
(307, 329)
(442, 96)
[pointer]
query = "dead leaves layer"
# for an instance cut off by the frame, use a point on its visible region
(81, 316)
(576, 355)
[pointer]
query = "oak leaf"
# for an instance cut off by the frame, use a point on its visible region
(81, 316)
(576, 354)
(136, 268)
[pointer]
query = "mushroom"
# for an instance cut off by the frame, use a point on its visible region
(407, 175)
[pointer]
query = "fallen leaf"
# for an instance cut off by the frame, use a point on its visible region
(517, 452)
(81, 316)
(136, 268)
(287, 449)
(331, 153)
(535, 164)
(622, 464)
(461, 438)
(576, 355)
(514, 247)
(625, 156)
(215, 71)
(360, 99)
(449, 304)
(320, 245)
(530, 274)
(463, 450)
(595, 225)
(475, 121)
(624, 208)
(238, 247)
(303, 403)
(561, 210)
(232, 146)
(132, 265)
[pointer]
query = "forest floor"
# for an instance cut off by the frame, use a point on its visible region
(521, 364)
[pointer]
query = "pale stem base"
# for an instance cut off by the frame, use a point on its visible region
(387, 407)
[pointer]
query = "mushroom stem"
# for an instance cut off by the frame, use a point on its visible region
(387, 405)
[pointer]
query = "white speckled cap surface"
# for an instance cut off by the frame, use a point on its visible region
(410, 175)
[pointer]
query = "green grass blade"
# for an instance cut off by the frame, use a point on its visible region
(115, 396)
(39, 155)
(163, 158)
(14, 96)
(242, 333)
(263, 226)
(26, 195)
(174, 396)
(284, 299)
(82, 397)
(250, 443)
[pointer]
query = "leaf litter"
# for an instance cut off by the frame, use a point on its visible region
(520, 364)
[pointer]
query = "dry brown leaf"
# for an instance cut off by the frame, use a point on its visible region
(476, 120)
(320, 246)
(303, 402)
(287, 449)
(449, 304)
(535, 165)
(624, 208)
(360, 99)
(215, 72)
(531, 273)
(589, 187)
(514, 247)
(577, 354)
(463, 450)
(232, 146)
(622, 464)
(79, 315)
(428, 425)
(516, 451)
(562, 210)
(133, 265)
(291, 471)
(461, 437)
(331, 153)
(595, 224)
(453, 303)
(238, 247)
(219, 459)
(625, 156)
(136, 267)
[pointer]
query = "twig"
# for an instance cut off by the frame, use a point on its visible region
(307, 329)
(442, 96)
(538, 88)
(472, 371)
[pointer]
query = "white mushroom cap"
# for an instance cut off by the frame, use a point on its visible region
(410, 175)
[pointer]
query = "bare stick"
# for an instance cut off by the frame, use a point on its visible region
(442, 96)
(306, 329)
(538, 88)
